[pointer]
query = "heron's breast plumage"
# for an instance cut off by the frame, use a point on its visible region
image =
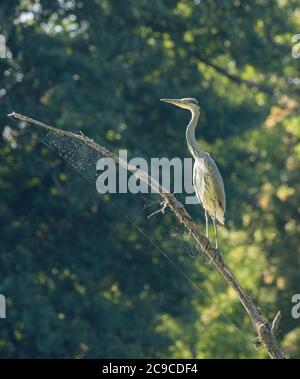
(209, 187)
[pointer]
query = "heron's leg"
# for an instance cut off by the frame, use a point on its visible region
(217, 256)
(216, 231)
(206, 224)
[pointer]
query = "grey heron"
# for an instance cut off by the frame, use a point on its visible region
(207, 180)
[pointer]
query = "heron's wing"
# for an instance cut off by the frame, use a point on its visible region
(218, 182)
(198, 180)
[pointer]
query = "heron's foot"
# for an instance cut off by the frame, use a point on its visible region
(217, 257)
(164, 205)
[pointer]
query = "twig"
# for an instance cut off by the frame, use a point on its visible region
(275, 324)
(162, 210)
(265, 333)
(237, 79)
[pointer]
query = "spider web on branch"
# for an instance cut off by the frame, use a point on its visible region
(79, 155)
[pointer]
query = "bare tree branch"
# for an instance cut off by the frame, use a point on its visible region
(236, 79)
(266, 335)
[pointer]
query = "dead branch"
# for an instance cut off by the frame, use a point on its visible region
(266, 334)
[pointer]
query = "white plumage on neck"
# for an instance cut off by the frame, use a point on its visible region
(190, 134)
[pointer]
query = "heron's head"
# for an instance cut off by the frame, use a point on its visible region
(186, 103)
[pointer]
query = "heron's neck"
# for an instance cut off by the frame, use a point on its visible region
(190, 136)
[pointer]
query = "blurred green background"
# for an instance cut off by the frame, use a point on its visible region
(80, 279)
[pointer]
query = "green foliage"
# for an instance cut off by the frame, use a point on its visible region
(81, 280)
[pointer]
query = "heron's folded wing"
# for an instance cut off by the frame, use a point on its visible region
(198, 180)
(218, 183)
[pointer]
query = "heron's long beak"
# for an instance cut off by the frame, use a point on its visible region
(177, 102)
